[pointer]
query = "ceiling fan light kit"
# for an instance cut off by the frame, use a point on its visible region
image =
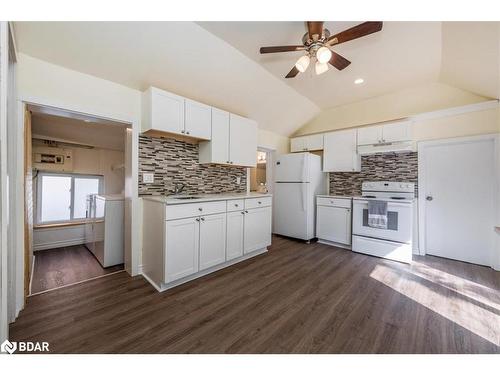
(317, 42)
(303, 63)
(323, 54)
(321, 68)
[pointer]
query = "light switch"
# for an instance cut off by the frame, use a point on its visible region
(238, 180)
(148, 178)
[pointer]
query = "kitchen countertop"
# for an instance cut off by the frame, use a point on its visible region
(172, 199)
(334, 196)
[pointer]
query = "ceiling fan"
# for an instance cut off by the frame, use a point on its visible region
(317, 42)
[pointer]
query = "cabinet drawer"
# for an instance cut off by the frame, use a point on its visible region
(257, 202)
(334, 202)
(180, 211)
(235, 205)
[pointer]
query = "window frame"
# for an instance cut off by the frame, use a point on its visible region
(39, 193)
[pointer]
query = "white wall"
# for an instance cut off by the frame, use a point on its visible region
(395, 105)
(47, 84)
(51, 238)
(94, 161)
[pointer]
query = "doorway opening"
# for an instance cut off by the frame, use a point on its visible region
(74, 197)
(261, 176)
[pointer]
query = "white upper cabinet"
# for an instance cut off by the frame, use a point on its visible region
(234, 141)
(391, 132)
(307, 143)
(166, 112)
(162, 111)
(396, 132)
(340, 154)
(242, 141)
(370, 135)
(217, 150)
(198, 119)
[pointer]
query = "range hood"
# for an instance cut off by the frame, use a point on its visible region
(402, 146)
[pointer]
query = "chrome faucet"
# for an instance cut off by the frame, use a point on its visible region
(178, 188)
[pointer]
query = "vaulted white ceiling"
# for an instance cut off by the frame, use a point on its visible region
(181, 57)
(219, 62)
(403, 54)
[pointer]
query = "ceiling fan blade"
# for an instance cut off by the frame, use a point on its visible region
(292, 73)
(274, 49)
(338, 61)
(315, 28)
(355, 32)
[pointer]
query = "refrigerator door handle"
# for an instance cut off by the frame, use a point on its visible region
(304, 172)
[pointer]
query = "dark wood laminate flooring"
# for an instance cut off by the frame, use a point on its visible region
(297, 298)
(66, 265)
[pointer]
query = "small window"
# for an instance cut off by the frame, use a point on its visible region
(63, 197)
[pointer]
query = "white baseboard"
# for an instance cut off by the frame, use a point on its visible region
(56, 244)
(163, 287)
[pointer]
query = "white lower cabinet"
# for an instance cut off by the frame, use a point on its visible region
(181, 250)
(257, 231)
(234, 234)
(212, 240)
(184, 241)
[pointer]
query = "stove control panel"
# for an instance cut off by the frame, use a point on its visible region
(402, 187)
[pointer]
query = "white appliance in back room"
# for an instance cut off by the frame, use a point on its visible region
(392, 238)
(298, 179)
(104, 228)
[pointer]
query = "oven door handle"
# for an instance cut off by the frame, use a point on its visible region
(389, 204)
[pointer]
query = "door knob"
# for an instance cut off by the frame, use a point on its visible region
(429, 198)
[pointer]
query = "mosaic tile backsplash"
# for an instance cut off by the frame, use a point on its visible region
(173, 161)
(377, 167)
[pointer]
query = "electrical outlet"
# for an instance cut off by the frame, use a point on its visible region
(238, 180)
(148, 178)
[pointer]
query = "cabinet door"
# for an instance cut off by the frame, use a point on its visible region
(234, 234)
(334, 224)
(370, 135)
(314, 142)
(198, 120)
(298, 144)
(220, 136)
(242, 141)
(257, 229)
(182, 245)
(396, 132)
(167, 112)
(212, 240)
(340, 154)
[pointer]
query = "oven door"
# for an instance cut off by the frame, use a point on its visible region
(399, 222)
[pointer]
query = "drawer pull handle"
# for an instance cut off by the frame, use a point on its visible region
(200, 209)
(259, 202)
(235, 205)
(246, 211)
(202, 219)
(197, 219)
(242, 212)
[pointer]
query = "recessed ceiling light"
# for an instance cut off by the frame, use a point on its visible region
(359, 81)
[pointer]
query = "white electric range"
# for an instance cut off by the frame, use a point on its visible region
(395, 242)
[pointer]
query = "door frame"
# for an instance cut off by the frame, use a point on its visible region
(132, 217)
(423, 146)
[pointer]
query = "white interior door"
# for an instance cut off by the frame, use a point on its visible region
(458, 198)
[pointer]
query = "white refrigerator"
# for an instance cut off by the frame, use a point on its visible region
(104, 229)
(298, 179)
